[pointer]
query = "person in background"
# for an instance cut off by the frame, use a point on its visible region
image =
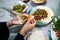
(4, 32)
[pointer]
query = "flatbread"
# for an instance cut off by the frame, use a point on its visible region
(22, 18)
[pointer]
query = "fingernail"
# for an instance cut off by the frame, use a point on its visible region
(32, 21)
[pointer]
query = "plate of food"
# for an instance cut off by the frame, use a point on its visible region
(38, 1)
(42, 15)
(24, 17)
(19, 7)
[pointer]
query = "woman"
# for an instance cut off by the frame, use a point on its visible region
(4, 32)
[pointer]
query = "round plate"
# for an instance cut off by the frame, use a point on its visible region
(46, 20)
(41, 2)
(19, 2)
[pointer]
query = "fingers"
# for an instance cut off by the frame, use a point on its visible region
(16, 22)
(30, 17)
(16, 18)
(33, 22)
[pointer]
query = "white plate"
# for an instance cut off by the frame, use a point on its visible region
(46, 20)
(19, 2)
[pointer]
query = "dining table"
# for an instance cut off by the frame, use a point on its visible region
(5, 15)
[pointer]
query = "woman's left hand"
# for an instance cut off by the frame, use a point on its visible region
(14, 21)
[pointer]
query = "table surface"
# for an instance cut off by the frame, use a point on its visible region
(5, 4)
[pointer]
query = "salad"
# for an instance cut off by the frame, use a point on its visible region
(19, 8)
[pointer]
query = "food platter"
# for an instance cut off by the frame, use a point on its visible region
(16, 9)
(52, 4)
(19, 7)
(46, 20)
(43, 17)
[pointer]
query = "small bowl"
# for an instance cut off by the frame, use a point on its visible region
(25, 1)
(21, 3)
(36, 2)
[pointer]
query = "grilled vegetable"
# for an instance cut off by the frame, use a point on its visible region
(40, 14)
(19, 8)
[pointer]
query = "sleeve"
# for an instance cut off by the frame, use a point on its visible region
(19, 37)
(4, 32)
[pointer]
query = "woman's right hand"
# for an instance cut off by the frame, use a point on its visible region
(30, 24)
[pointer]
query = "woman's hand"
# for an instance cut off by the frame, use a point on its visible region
(13, 21)
(30, 24)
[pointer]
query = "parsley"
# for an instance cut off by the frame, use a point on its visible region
(56, 22)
